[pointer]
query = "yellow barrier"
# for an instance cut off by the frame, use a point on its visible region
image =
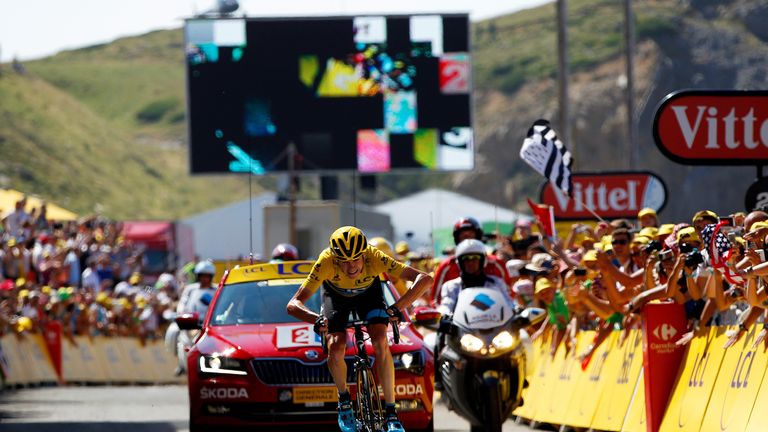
(622, 368)
(635, 418)
(581, 410)
(693, 388)
(737, 385)
(16, 361)
(536, 389)
(758, 421)
(717, 390)
(97, 361)
(566, 368)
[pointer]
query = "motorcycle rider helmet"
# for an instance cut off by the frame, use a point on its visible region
(205, 267)
(467, 223)
(471, 249)
(382, 244)
(348, 243)
(285, 252)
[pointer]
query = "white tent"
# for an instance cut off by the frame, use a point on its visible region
(434, 209)
(222, 233)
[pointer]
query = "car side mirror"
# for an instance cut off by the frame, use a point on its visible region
(189, 321)
(427, 317)
(531, 316)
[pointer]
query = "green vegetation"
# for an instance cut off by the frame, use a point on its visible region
(513, 49)
(154, 111)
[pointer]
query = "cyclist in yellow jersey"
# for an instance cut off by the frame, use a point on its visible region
(346, 271)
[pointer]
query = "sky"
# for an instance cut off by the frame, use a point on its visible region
(31, 29)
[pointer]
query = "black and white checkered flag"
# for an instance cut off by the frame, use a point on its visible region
(545, 153)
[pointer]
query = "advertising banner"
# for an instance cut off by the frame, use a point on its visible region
(611, 195)
(713, 127)
(52, 338)
(663, 325)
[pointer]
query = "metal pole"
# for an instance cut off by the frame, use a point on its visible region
(563, 73)
(629, 35)
(292, 192)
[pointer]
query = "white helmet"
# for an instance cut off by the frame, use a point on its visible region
(205, 267)
(470, 247)
(465, 249)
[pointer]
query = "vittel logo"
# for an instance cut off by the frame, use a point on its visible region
(708, 125)
(618, 194)
(713, 127)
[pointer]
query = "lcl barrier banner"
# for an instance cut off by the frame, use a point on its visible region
(695, 381)
(25, 360)
(663, 324)
(736, 387)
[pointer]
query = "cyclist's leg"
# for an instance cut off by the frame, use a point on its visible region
(371, 306)
(336, 310)
(337, 346)
(385, 368)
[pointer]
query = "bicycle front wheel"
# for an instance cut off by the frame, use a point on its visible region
(368, 402)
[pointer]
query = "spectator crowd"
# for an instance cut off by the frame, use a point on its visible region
(82, 274)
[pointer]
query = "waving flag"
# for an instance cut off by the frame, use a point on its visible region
(545, 153)
(546, 215)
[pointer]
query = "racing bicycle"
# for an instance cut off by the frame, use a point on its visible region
(367, 403)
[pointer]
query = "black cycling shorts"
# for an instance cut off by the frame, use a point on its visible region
(369, 304)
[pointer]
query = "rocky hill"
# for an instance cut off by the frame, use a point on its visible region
(103, 127)
(703, 44)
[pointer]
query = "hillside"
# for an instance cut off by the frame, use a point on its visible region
(103, 127)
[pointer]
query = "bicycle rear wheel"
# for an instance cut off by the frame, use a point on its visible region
(368, 402)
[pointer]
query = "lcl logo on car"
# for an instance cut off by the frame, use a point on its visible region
(311, 354)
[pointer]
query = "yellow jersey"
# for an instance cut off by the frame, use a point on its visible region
(327, 271)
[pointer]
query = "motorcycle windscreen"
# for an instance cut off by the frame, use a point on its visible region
(481, 308)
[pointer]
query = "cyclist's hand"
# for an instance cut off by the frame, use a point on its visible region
(321, 325)
(394, 313)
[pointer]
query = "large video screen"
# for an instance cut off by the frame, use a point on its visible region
(366, 93)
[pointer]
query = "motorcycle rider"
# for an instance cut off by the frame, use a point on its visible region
(471, 261)
(194, 298)
(466, 228)
(349, 273)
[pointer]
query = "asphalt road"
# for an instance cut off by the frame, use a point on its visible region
(127, 409)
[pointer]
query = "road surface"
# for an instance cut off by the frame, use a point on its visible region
(127, 409)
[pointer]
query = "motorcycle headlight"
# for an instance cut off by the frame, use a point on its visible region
(503, 341)
(222, 365)
(471, 343)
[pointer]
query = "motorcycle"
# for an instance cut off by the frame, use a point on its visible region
(481, 356)
(183, 332)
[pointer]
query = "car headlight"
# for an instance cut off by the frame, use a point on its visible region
(411, 361)
(471, 343)
(503, 340)
(222, 365)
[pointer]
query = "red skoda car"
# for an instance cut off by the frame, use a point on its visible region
(254, 365)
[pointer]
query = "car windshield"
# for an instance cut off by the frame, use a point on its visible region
(263, 302)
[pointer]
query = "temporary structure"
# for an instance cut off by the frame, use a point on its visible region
(9, 197)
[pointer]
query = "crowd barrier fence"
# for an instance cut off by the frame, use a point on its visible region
(98, 360)
(716, 389)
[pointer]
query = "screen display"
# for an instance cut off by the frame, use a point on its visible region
(366, 93)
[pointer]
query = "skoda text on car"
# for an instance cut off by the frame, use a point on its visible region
(253, 364)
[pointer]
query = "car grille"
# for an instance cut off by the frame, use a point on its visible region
(294, 371)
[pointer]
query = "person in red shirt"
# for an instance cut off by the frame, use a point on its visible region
(465, 228)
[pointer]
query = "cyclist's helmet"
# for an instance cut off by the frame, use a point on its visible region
(382, 244)
(205, 267)
(348, 243)
(470, 248)
(467, 223)
(285, 252)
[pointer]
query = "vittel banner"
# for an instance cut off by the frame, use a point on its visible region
(713, 127)
(611, 195)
